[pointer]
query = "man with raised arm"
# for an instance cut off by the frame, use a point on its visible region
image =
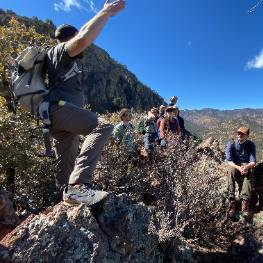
(241, 159)
(69, 119)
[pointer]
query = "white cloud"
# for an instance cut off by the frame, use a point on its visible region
(68, 5)
(257, 62)
(91, 6)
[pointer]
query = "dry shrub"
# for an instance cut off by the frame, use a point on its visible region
(28, 178)
(182, 186)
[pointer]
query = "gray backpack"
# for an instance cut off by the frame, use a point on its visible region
(28, 81)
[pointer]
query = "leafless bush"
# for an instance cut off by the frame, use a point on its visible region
(181, 185)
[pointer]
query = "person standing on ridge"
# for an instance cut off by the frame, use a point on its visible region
(169, 124)
(151, 132)
(69, 119)
(123, 132)
(173, 101)
(241, 159)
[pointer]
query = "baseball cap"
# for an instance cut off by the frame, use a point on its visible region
(244, 130)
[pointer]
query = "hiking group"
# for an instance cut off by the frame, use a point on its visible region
(66, 120)
(155, 127)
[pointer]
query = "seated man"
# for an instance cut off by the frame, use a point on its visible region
(151, 134)
(241, 158)
(124, 131)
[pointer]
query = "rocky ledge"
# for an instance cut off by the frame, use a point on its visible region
(119, 231)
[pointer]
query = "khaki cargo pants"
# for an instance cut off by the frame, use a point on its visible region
(68, 122)
(244, 183)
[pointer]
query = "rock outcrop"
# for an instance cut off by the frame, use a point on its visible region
(119, 231)
(211, 147)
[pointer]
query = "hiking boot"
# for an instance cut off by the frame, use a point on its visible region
(245, 208)
(231, 211)
(83, 194)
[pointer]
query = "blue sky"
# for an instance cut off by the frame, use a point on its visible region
(207, 52)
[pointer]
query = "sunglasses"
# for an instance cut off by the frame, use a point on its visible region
(170, 110)
(127, 115)
(241, 134)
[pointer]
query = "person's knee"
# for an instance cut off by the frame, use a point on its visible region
(90, 124)
(246, 192)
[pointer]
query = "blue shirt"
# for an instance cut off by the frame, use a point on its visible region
(241, 153)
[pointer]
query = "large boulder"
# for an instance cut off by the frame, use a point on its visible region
(117, 232)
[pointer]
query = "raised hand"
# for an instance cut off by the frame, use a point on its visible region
(113, 7)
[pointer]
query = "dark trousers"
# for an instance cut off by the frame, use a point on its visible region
(149, 142)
